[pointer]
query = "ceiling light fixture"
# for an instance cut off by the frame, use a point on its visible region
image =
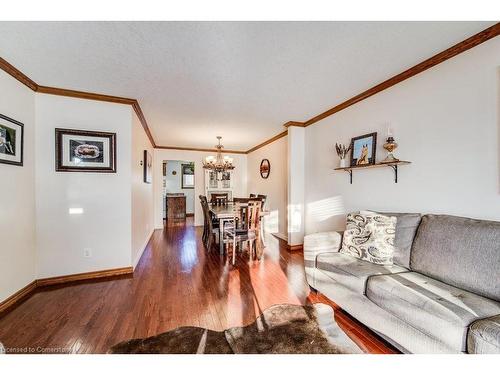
(218, 163)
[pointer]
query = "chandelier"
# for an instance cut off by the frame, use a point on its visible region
(218, 163)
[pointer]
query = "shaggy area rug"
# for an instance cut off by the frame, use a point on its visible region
(281, 329)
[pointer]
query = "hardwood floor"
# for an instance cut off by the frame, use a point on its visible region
(176, 283)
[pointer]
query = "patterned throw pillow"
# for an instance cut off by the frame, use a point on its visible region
(370, 237)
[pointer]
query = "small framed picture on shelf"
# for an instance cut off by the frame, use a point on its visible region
(85, 151)
(363, 149)
(11, 141)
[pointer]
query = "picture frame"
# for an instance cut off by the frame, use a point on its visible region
(85, 151)
(187, 176)
(11, 141)
(265, 168)
(147, 164)
(363, 150)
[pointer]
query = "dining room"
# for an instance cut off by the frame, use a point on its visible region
(227, 188)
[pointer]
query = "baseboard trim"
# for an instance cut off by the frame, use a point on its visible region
(84, 276)
(144, 247)
(281, 236)
(295, 247)
(30, 289)
(18, 297)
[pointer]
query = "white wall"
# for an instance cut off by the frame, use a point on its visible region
(105, 225)
(142, 193)
(275, 186)
(174, 184)
(446, 123)
(17, 192)
(240, 178)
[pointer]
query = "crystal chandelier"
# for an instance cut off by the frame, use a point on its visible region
(218, 163)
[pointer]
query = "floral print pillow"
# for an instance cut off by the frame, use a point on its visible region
(370, 237)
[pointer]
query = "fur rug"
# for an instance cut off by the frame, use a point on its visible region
(281, 329)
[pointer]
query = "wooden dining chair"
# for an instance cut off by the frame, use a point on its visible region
(243, 227)
(210, 228)
(203, 200)
(219, 198)
(241, 200)
(263, 199)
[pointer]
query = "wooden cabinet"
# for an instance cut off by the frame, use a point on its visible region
(176, 206)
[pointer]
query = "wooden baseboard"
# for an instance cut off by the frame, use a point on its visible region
(32, 287)
(295, 247)
(84, 276)
(18, 297)
(284, 244)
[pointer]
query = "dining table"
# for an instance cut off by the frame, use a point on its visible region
(226, 211)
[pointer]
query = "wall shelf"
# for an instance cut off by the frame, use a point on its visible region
(393, 165)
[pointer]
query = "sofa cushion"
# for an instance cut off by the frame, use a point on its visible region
(458, 251)
(370, 237)
(406, 228)
(484, 336)
(352, 272)
(433, 307)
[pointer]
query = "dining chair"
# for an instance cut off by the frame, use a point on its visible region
(203, 200)
(219, 198)
(210, 228)
(243, 227)
(241, 200)
(263, 199)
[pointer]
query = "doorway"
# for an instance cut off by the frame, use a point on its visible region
(178, 191)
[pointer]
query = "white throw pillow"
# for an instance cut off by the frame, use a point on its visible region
(370, 236)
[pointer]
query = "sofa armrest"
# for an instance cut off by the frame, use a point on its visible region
(317, 243)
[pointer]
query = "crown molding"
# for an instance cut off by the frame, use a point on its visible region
(199, 149)
(84, 95)
(294, 123)
(271, 140)
(24, 79)
(144, 123)
(473, 41)
(17, 74)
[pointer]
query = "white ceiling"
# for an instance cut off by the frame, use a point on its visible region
(241, 80)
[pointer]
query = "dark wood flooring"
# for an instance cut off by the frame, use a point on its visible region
(176, 283)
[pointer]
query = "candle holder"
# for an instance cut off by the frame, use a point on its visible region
(390, 145)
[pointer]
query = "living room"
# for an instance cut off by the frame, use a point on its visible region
(302, 187)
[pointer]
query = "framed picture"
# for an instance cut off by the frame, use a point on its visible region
(11, 141)
(187, 176)
(85, 151)
(363, 149)
(147, 164)
(265, 168)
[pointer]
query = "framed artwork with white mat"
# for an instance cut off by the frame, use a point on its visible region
(85, 151)
(11, 141)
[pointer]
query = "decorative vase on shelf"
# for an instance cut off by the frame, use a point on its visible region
(342, 152)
